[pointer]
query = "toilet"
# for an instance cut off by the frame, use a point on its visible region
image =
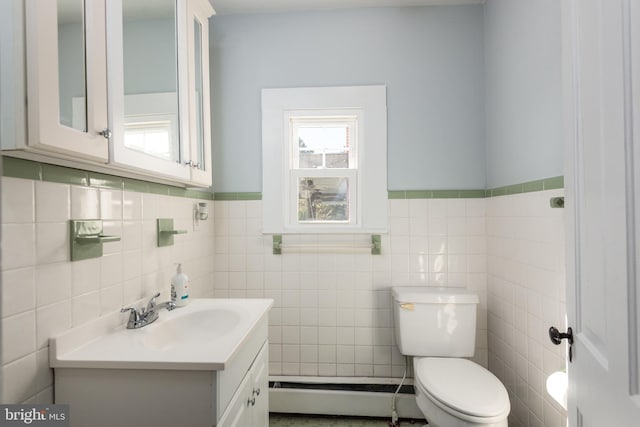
(437, 326)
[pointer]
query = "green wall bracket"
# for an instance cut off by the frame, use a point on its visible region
(166, 232)
(376, 244)
(557, 202)
(277, 241)
(86, 239)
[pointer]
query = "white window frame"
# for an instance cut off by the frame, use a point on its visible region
(367, 179)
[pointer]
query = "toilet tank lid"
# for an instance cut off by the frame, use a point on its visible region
(434, 295)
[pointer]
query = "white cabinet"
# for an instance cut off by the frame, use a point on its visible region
(249, 406)
(235, 396)
(117, 85)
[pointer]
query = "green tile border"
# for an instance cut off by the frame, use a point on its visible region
(553, 183)
(101, 180)
(19, 168)
(526, 187)
(437, 194)
(27, 169)
(135, 185)
(237, 196)
(53, 173)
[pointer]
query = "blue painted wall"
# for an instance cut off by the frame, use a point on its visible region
(430, 58)
(523, 91)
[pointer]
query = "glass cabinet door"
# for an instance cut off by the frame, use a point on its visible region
(66, 75)
(147, 95)
(200, 128)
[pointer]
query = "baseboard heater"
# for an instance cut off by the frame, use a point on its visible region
(341, 398)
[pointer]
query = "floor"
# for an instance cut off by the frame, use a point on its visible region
(289, 420)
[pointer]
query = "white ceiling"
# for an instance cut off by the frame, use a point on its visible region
(224, 7)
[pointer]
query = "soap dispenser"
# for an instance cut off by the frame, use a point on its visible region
(180, 287)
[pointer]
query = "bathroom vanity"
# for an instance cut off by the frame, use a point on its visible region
(202, 365)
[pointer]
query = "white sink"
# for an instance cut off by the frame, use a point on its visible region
(204, 335)
(197, 327)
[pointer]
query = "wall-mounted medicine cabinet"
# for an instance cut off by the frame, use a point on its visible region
(118, 84)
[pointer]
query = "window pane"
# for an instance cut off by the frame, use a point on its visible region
(323, 147)
(323, 199)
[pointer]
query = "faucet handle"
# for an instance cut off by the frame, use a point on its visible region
(134, 316)
(151, 305)
(133, 310)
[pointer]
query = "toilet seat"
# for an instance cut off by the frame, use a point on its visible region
(462, 388)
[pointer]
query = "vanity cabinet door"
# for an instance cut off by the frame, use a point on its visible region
(66, 78)
(249, 406)
(260, 389)
(239, 413)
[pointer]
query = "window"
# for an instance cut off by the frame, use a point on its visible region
(323, 168)
(324, 160)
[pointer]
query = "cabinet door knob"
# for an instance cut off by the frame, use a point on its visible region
(106, 132)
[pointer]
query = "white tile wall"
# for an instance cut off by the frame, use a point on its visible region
(43, 293)
(332, 314)
(526, 294)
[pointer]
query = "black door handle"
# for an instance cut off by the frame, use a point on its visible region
(556, 337)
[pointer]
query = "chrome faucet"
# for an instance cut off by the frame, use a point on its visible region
(148, 315)
(169, 305)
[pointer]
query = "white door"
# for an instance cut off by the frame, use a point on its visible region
(602, 178)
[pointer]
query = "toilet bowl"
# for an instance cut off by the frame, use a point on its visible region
(437, 327)
(454, 392)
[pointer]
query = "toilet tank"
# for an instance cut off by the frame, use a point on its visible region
(432, 321)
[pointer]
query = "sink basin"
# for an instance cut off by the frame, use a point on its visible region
(204, 335)
(197, 327)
